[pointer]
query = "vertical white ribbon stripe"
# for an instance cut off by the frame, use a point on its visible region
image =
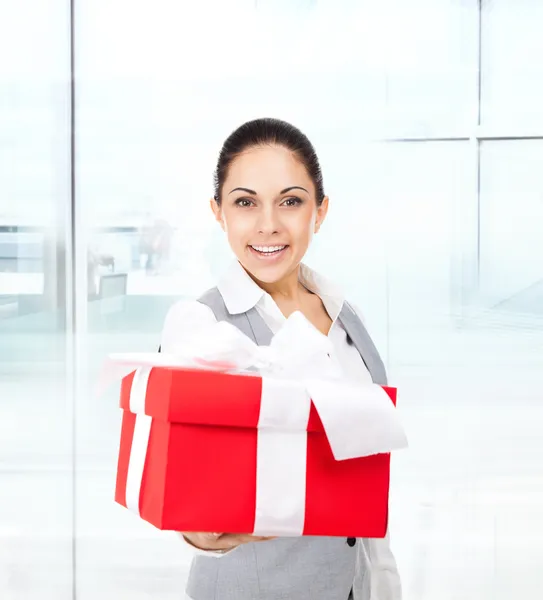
(140, 440)
(281, 458)
(138, 391)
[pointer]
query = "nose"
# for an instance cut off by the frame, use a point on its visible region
(268, 220)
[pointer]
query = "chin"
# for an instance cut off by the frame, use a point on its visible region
(268, 273)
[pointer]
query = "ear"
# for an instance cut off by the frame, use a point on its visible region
(322, 211)
(217, 212)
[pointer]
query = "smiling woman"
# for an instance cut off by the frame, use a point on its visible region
(270, 201)
(269, 197)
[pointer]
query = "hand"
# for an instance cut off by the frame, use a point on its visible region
(221, 541)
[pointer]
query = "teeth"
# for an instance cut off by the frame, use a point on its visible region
(267, 249)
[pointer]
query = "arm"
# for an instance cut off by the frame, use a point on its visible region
(184, 318)
(187, 318)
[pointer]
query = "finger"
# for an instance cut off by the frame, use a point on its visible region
(240, 538)
(227, 542)
(211, 536)
(204, 541)
(214, 540)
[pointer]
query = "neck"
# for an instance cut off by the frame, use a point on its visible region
(287, 289)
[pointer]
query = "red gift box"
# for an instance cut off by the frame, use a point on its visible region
(191, 462)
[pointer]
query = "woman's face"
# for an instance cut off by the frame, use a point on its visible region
(269, 211)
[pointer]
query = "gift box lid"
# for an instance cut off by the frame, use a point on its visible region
(205, 397)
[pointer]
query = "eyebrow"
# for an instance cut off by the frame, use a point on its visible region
(292, 187)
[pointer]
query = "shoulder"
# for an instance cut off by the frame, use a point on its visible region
(186, 310)
(356, 310)
(185, 316)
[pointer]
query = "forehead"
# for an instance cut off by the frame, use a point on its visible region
(267, 167)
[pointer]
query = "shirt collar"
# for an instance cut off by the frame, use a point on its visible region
(240, 293)
(331, 296)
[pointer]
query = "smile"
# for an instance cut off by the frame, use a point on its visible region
(268, 251)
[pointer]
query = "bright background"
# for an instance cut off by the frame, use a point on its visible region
(427, 118)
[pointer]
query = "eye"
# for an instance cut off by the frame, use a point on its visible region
(244, 202)
(293, 201)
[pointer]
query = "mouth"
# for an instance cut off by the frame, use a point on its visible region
(268, 252)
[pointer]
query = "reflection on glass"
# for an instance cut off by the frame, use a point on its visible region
(35, 425)
(512, 226)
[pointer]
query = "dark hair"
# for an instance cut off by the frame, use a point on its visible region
(262, 132)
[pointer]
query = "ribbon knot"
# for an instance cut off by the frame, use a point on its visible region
(297, 350)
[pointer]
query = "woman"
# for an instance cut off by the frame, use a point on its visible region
(270, 201)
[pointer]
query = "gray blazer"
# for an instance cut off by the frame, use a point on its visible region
(305, 568)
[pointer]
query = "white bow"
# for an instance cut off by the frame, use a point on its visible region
(360, 420)
(297, 350)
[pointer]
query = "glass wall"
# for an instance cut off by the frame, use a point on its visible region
(434, 232)
(36, 371)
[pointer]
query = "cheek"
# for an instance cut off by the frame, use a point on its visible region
(303, 226)
(237, 228)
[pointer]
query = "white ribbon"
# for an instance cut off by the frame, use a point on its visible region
(140, 440)
(359, 420)
(281, 458)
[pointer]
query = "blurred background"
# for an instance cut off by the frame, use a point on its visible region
(427, 119)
